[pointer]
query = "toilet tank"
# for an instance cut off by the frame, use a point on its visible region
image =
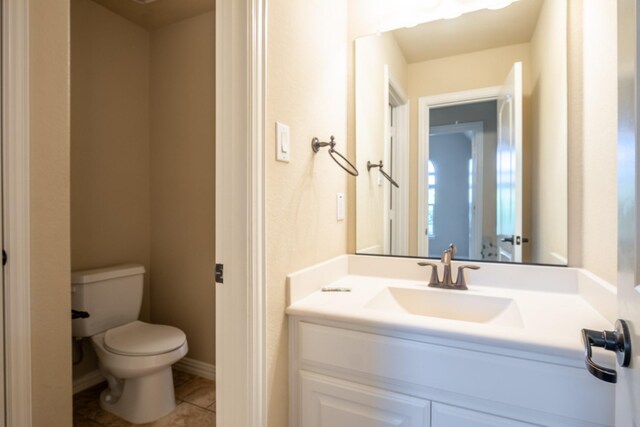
(112, 296)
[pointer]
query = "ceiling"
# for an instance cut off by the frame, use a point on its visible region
(471, 32)
(158, 13)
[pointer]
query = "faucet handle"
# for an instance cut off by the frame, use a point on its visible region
(434, 279)
(460, 281)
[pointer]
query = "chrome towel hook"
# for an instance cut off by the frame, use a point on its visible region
(316, 144)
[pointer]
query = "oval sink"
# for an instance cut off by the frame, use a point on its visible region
(446, 304)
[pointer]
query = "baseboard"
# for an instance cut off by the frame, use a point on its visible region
(190, 366)
(195, 367)
(87, 381)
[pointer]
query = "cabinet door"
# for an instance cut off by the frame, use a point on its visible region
(452, 416)
(329, 402)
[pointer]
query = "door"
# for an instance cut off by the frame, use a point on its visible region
(509, 168)
(628, 385)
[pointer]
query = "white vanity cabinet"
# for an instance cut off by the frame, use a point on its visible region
(347, 375)
(329, 402)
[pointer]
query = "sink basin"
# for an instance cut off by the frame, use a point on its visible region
(448, 304)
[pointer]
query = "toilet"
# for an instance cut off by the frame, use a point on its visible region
(135, 357)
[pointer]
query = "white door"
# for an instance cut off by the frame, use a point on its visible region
(628, 385)
(509, 168)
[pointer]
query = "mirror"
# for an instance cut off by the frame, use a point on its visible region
(469, 117)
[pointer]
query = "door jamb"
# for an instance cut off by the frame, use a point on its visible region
(240, 212)
(15, 140)
(394, 95)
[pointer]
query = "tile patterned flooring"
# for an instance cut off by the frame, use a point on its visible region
(195, 406)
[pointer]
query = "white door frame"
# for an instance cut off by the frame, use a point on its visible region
(240, 213)
(475, 132)
(425, 103)
(15, 168)
(394, 95)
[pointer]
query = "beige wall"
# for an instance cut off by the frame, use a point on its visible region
(142, 163)
(49, 213)
(372, 55)
(549, 135)
(311, 97)
(110, 206)
(182, 181)
(451, 74)
(599, 130)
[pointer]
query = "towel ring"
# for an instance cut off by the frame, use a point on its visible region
(316, 144)
(380, 166)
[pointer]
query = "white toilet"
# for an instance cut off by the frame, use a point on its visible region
(135, 357)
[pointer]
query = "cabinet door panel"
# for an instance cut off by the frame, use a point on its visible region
(329, 402)
(453, 416)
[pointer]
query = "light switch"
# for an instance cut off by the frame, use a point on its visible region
(340, 206)
(283, 142)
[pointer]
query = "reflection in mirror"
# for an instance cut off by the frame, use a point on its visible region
(469, 117)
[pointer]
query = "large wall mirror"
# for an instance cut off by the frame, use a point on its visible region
(461, 136)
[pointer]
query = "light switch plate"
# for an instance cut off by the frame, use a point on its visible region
(283, 142)
(340, 206)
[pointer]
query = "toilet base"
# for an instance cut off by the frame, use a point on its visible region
(141, 400)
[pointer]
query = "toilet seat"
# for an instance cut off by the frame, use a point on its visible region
(143, 339)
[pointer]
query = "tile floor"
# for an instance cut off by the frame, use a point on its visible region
(195, 405)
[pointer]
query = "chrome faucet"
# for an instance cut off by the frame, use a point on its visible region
(447, 280)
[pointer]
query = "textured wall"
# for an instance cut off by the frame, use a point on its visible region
(372, 54)
(311, 97)
(183, 181)
(142, 163)
(49, 216)
(549, 199)
(599, 132)
(110, 207)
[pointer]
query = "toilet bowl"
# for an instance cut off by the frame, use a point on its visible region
(136, 360)
(135, 357)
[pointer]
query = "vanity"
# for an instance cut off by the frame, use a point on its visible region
(372, 345)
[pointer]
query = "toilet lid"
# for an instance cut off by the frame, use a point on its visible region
(143, 339)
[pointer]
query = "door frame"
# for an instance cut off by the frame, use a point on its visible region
(474, 131)
(240, 213)
(394, 95)
(15, 171)
(425, 103)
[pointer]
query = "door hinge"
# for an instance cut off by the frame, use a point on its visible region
(4, 258)
(219, 273)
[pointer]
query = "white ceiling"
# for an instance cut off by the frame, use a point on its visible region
(481, 30)
(159, 12)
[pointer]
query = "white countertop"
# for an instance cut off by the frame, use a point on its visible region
(553, 314)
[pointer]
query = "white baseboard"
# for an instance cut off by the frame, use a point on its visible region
(195, 367)
(190, 366)
(87, 381)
